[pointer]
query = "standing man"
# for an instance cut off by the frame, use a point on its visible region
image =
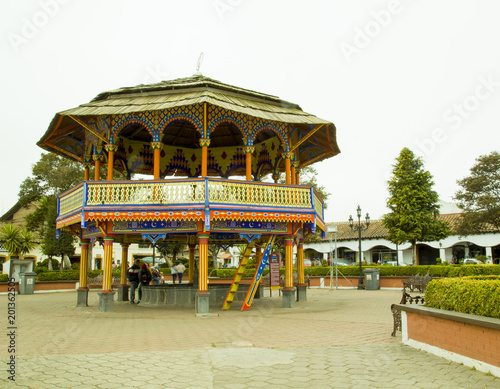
(133, 277)
(173, 272)
(180, 269)
(144, 278)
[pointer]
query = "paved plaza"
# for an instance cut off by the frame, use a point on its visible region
(337, 339)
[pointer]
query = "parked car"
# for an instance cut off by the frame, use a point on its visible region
(472, 261)
(341, 262)
(394, 263)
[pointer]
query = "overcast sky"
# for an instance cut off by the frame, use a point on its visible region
(389, 74)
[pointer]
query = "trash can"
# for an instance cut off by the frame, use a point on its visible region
(27, 282)
(372, 279)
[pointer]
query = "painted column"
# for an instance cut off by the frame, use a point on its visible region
(203, 262)
(301, 284)
(192, 248)
(204, 143)
(124, 268)
(293, 173)
(123, 287)
(203, 296)
(111, 149)
(97, 159)
(86, 173)
(106, 296)
(288, 157)
(108, 254)
(288, 290)
(276, 177)
(156, 146)
(288, 262)
(83, 290)
(297, 175)
(442, 255)
(300, 262)
(248, 161)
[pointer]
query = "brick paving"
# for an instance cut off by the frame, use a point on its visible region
(337, 339)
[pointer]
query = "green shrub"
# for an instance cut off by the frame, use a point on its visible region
(45, 263)
(40, 269)
(57, 275)
(324, 262)
(466, 295)
(4, 277)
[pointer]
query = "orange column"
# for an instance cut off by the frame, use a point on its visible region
(108, 255)
(293, 174)
(297, 176)
(124, 268)
(300, 262)
(192, 248)
(289, 262)
(86, 173)
(287, 156)
(111, 149)
(203, 261)
(84, 257)
(156, 159)
(204, 143)
(276, 177)
(97, 175)
(248, 161)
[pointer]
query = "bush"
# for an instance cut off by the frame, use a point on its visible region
(57, 275)
(4, 277)
(466, 295)
(45, 263)
(40, 269)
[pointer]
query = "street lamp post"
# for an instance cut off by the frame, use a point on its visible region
(359, 228)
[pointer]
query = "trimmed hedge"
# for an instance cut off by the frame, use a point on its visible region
(386, 271)
(4, 277)
(466, 295)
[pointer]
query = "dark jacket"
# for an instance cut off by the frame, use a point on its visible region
(145, 276)
(133, 273)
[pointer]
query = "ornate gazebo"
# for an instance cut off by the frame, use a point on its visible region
(208, 147)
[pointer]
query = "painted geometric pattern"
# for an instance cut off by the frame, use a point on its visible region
(120, 226)
(262, 216)
(146, 215)
(257, 226)
(218, 115)
(192, 113)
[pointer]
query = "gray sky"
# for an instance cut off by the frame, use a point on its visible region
(390, 74)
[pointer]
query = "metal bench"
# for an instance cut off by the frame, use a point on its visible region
(416, 282)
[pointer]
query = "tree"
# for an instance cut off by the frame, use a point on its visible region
(18, 241)
(173, 249)
(413, 204)
(479, 196)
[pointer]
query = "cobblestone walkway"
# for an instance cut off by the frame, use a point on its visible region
(337, 339)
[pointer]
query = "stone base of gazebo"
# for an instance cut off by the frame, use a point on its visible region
(106, 301)
(302, 292)
(82, 297)
(122, 293)
(288, 297)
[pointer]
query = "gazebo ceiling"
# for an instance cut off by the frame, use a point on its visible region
(233, 117)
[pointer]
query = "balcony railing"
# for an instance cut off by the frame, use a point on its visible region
(205, 192)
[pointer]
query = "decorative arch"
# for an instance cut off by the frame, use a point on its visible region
(280, 132)
(178, 118)
(126, 120)
(229, 120)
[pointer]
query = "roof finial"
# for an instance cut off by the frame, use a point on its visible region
(198, 65)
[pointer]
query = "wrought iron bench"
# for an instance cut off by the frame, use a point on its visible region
(416, 282)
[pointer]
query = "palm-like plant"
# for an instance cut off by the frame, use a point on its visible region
(11, 238)
(26, 243)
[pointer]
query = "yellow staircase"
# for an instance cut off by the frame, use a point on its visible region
(240, 273)
(246, 269)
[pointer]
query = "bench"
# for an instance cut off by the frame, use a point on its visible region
(416, 282)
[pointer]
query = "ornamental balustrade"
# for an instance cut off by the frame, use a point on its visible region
(201, 191)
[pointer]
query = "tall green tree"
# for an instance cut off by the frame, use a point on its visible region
(413, 204)
(479, 195)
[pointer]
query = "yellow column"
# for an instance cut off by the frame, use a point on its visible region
(300, 262)
(156, 160)
(204, 143)
(84, 257)
(108, 254)
(289, 262)
(123, 274)
(203, 262)
(192, 248)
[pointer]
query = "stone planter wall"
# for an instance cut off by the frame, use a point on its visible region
(460, 337)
